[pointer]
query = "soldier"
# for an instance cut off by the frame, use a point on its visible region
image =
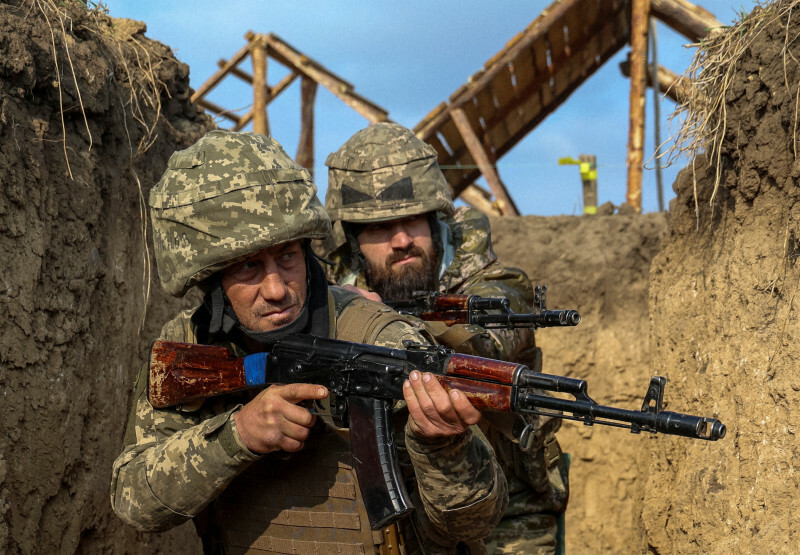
(234, 215)
(401, 234)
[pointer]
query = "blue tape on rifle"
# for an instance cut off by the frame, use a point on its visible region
(255, 369)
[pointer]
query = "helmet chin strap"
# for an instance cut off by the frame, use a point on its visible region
(313, 318)
(351, 232)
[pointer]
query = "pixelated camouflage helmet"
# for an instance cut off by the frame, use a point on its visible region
(225, 197)
(382, 173)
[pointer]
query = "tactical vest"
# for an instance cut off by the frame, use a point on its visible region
(307, 502)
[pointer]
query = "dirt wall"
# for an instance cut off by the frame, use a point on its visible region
(90, 110)
(598, 265)
(724, 311)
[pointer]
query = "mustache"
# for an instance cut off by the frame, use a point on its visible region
(397, 256)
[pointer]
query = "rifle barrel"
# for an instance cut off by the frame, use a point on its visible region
(672, 423)
(544, 319)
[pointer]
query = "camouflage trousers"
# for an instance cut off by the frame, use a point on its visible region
(528, 534)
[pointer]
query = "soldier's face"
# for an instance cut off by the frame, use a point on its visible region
(400, 256)
(268, 290)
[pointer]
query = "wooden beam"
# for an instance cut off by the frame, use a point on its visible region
(305, 148)
(276, 90)
(640, 15)
(282, 85)
(338, 86)
(475, 197)
(272, 92)
(243, 121)
(504, 202)
(236, 72)
(686, 18)
(259, 57)
(670, 84)
(538, 28)
(216, 109)
(615, 41)
(214, 80)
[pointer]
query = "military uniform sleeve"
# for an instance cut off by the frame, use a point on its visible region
(460, 486)
(174, 463)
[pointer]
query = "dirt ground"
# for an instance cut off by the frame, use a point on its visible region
(90, 110)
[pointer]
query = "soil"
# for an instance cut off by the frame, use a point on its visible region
(79, 146)
(90, 110)
(723, 306)
(599, 266)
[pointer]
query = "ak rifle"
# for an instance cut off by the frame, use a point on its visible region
(487, 312)
(365, 381)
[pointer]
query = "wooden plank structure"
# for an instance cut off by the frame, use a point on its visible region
(535, 73)
(262, 47)
(516, 89)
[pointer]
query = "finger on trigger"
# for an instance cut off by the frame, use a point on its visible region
(298, 392)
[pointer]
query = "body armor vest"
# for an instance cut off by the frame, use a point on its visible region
(307, 502)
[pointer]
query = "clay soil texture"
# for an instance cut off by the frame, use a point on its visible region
(90, 110)
(724, 313)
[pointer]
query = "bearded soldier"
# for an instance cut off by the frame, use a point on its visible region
(400, 234)
(259, 472)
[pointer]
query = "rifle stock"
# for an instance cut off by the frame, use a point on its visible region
(184, 372)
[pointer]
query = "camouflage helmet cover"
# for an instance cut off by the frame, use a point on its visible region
(228, 196)
(382, 173)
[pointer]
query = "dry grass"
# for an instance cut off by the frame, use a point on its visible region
(142, 101)
(50, 10)
(712, 72)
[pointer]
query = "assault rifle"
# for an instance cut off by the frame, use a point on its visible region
(487, 312)
(364, 382)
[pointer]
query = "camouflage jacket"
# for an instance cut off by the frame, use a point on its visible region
(175, 462)
(537, 483)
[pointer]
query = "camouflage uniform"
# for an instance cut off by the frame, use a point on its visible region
(383, 185)
(189, 462)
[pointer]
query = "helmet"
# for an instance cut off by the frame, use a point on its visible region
(225, 197)
(382, 173)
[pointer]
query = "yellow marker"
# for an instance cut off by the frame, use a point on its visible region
(588, 176)
(587, 173)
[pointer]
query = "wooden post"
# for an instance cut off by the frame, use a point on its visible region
(305, 148)
(480, 200)
(653, 68)
(640, 16)
(504, 202)
(589, 180)
(260, 93)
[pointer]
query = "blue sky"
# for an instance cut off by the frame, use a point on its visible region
(408, 57)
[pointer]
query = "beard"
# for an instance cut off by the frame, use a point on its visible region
(398, 283)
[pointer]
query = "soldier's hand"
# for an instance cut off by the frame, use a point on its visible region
(274, 421)
(432, 411)
(363, 292)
